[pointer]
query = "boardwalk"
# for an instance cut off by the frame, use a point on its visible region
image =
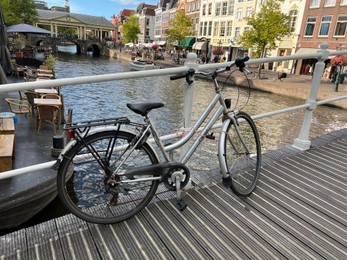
(298, 211)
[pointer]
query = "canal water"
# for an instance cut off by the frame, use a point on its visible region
(108, 99)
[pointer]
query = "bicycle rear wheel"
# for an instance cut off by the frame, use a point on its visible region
(84, 175)
(242, 154)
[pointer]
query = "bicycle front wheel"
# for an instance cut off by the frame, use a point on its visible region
(242, 154)
(85, 186)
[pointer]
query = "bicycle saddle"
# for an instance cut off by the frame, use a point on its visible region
(144, 108)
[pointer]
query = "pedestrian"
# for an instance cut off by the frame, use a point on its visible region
(310, 70)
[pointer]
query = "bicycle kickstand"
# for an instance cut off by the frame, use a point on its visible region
(181, 205)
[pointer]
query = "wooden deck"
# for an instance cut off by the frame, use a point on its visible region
(298, 211)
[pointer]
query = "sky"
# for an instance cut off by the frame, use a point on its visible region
(104, 8)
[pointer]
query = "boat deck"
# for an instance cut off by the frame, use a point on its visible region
(298, 211)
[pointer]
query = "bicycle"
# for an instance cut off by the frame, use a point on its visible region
(110, 173)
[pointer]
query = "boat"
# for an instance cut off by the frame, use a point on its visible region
(143, 65)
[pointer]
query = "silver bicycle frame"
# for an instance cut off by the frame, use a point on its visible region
(221, 109)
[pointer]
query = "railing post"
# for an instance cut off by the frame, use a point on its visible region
(303, 142)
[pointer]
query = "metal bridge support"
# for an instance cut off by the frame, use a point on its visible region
(303, 142)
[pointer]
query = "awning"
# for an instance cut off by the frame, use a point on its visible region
(199, 46)
(189, 41)
(161, 43)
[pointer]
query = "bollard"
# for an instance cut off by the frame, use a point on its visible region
(58, 145)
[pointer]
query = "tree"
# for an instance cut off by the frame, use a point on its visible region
(267, 26)
(179, 28)
(131, 29)
(19, 11)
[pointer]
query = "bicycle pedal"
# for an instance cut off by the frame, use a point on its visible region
(181, 205)
(211, 136)
(227, 182)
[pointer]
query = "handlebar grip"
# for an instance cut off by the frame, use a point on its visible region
(181, 76)
(187, 75)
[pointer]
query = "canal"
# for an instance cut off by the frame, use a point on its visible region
(108, 99)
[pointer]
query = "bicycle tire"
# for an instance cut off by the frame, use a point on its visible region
(82, 182)
(243, 167)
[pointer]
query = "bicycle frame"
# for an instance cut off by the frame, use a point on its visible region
(222, 109)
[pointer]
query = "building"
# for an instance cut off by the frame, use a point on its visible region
(117, 21)
(165, 11)
(84, 26)
(288, 45)
(146, 15)
(324, 21)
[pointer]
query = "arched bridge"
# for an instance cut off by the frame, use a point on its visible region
(93, 45)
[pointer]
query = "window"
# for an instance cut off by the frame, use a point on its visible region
(218, 6)
(237, 32)
(240, 1)
(325, 26)
(205, 28)
(314, 3)
(209, 32)
(229, 28)
(343, 2)
(341, 25)
(193, 7)
(249, 11)
(189, 8)
(222, 29)
(204, 10)
(216, 29)
(329, 2)
(209, 8)
(231, 7)
(225, 8)
(293, 17)
(239, 14)
(201, 27)
(311, 22)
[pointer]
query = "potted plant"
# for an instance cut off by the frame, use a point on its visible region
(50, 62)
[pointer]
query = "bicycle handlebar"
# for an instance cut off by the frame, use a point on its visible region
(240, 63)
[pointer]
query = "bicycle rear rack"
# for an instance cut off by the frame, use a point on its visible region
(83, 128)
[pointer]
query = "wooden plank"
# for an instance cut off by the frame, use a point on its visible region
(6, 152)
(7, 126)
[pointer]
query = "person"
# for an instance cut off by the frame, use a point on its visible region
(310, 71)
(215, 59)
(222, 59)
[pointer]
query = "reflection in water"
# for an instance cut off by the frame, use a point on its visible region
(108, 99)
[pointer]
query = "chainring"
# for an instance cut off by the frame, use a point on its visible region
(170, 183)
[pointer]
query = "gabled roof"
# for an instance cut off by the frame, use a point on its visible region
(87, 19)
(126, 12)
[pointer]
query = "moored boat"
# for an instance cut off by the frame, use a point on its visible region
(143, 65)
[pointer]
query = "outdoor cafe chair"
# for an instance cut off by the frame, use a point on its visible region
(17, 69)
(18, 106)
(47, 114)
(30, 95)
(51, 95)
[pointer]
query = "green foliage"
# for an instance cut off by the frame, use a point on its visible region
(50, 62)
(131, 29)
(19, 11)
(179, 28)
(267, 26)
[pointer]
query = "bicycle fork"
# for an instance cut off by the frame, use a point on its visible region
(222, 148)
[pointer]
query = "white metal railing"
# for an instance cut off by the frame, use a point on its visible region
(302, 142)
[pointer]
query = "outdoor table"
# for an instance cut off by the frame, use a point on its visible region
(6, 126)
(46, 91)
(47, 102)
